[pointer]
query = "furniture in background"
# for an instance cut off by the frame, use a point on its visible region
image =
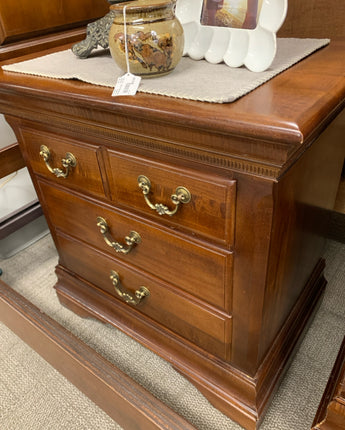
(331, 412)
(315, 19)
(127, 402)
(21, 218)
(337, 223)
(30, 26)
(11, 161)
(24, 28)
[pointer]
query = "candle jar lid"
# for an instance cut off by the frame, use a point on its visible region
(145, 5)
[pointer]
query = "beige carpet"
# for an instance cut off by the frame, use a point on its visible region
(33, 396)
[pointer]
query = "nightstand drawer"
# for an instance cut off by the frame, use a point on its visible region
(206, 204)
(64, 161)
(197, 268)
(153, 298)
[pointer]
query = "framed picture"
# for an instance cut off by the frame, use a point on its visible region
(231, 13)
(236, 32)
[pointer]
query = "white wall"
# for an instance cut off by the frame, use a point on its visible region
(6, 134)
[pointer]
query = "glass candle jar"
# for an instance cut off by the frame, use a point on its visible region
(154, 37)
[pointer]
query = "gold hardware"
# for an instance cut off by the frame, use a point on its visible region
(68, 162)
(135, 299)
(132, 239)
(182, 195)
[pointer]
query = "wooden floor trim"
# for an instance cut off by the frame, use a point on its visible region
(129, 404)
(331, 412)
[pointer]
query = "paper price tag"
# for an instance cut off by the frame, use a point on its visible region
(126, 85)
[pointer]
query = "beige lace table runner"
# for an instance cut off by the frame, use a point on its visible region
(194, 80)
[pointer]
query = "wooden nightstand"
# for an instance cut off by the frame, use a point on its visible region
(195, 228)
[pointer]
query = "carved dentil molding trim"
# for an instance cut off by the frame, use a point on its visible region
(78, 129)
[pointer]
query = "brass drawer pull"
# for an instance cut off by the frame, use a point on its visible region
(182, 195)
(135, 299)
(68, 162)
(132, 239)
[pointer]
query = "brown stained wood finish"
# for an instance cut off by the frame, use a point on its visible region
(235, 275)
(314, 18)
(11, 159)
(331, 412)
(130, 405)
(39, 43)
(31, 26)
(23, 20)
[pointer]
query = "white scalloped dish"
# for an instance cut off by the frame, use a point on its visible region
(255, 49)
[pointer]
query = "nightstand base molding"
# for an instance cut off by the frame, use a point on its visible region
(243, 398)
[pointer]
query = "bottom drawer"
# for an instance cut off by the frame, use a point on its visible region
(192, 319)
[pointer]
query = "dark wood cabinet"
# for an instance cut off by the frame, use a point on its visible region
(32, 25)
(20, 20)
(314, 18)
(221, 283)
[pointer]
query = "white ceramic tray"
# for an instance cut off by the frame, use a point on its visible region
(254, 49)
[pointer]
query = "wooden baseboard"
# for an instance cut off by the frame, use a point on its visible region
(331, 412)
(130, 405)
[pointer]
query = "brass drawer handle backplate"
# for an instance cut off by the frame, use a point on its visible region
(133, 299)
(132, 239)
(182, 195)
(68, 162)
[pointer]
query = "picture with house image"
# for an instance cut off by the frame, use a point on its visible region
(231, 13)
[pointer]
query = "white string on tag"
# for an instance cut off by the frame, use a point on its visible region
(125, 31)
(127, 84)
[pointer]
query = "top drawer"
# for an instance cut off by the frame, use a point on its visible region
(48, 154)
(210, 212)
